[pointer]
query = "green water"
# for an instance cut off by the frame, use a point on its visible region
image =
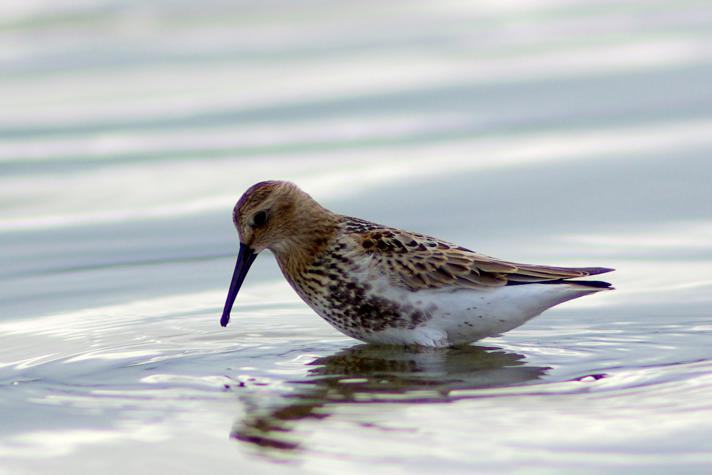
(553, 132)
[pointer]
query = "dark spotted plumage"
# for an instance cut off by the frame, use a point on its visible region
(386, 285)
(417, 261)
(344, 300)
(411, 260)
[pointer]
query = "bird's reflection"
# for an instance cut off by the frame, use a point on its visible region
(370, 374)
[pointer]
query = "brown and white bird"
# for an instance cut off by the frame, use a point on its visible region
(388, 286)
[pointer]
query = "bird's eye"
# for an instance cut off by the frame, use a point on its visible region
(259, 219)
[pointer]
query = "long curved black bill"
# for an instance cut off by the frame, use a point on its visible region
(245, 258)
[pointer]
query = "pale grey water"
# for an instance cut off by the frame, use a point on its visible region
(558, 132)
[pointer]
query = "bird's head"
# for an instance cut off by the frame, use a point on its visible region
(278, 216)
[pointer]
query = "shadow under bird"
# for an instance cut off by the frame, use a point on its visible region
(388, 286)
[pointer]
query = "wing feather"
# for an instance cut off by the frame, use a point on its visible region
(419, 262)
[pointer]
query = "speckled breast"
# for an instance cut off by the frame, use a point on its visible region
(337, 286)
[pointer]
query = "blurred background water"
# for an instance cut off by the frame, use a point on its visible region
(559, 132)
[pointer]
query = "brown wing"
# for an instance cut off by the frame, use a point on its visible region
(419, 262)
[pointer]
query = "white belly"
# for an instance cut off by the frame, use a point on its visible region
(464, 315)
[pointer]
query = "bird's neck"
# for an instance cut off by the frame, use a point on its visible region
(317, 230)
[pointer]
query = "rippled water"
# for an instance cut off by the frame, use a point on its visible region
(558, 132)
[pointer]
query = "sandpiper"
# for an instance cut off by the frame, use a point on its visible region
(388, 286)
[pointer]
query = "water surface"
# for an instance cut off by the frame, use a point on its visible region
(556, 132)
